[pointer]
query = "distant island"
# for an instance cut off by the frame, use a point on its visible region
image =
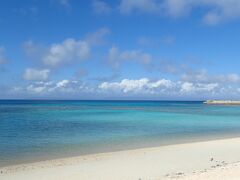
(222, 102)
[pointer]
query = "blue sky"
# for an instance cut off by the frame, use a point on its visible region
(124, 49)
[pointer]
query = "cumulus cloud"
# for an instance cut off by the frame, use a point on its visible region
(54, 87)
(57, 54)
(36, 75)
(197, 85)
(143, 85)
(65, 52)
(189, 87)
(227, 87)
(101, 7)
(69, 51)
(215, 10)
(161, 86)
(116, 57)
(126, 85)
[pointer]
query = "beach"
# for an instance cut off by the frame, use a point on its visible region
(215, 159)
(118, 140)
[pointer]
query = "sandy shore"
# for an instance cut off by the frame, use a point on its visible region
(216, 159)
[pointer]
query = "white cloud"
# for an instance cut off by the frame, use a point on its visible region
(36, 75)
(126, 85)
(198, 87)
(101, 7)
(32, 89)
(57, 54)
(3, 58)
(161, 86)
(69, 51)
(54, 88)
(116, 57)
(215, 10)
(143, 85)
(187, 87)
(161, 83)
(66, 52)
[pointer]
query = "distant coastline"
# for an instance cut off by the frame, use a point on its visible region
(222, 102)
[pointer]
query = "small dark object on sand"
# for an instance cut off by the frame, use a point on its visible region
(211, 159)
(180, 173)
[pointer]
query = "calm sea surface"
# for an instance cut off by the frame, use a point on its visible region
(38, 130)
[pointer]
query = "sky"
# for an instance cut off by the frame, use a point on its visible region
(122, 49)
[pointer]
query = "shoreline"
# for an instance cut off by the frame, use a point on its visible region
(155, 144)
(151, 162)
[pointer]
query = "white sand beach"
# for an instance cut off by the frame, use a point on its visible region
(216, 159)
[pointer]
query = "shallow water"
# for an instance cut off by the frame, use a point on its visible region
(36, 130)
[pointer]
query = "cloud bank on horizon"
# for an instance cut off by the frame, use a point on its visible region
(128, 49)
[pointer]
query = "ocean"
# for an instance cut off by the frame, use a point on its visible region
(33, 130)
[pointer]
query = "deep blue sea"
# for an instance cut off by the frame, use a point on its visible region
(37, 130)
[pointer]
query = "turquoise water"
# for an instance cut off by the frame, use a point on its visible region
(38, 130)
